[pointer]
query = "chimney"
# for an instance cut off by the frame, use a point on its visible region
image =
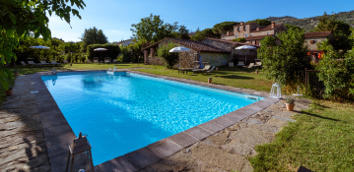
(242, 23)
(257, 28)
(272, 25)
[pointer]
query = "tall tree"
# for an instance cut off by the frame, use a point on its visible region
(262, 22)
(208, 32)
(223, 26)
(94, 36)
(19, 18)
(341, 31)
(152, 29)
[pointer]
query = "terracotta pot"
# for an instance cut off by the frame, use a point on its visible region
(290, 107)
(210, 80)
(9, 92)
(257, 71)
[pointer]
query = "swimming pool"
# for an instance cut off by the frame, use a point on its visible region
(125, 111)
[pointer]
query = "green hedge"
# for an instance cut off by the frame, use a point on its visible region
(113, 51)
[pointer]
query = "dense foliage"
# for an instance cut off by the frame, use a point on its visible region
(131, 53)
(152, 29)
(239, 40)
(284, 56)
(261, 22)
(92, 36)
(337, 73)
(223, 26)
(208, 32)
(170, 58)
(341, 31)
(19, 18)
(113, 51)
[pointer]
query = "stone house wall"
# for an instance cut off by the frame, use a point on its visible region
(312, 43)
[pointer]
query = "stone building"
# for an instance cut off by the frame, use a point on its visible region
(200, 51)
(247, 56)
(253, 32)
(312, 41)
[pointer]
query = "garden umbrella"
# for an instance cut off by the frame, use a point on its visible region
(245, 47)
(179, 50)
(100, 49)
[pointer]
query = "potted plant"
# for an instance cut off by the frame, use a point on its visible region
(15, 72)
(257, 71)
(210, 80)
(290, 103)
(9, 91)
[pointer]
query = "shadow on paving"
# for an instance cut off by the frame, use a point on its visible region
(22, 145)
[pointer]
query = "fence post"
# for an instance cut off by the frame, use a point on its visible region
(306, 75)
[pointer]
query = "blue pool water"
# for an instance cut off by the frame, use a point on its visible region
(124, 112)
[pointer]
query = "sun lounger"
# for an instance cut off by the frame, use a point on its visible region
(186, 70)
(65, 61)
(95, 60)
(33, 63)
(251, 65)
(258, 64)
(206, 68)
(53, 62)
(114, 60)
(211, 69)
(241, 63)
(88, 61)
(23, 63)
(44, 63)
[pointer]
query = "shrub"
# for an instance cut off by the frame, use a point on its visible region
(131, 53)
(170, 58)
(112, 51)
(285, 56)
(337, 74)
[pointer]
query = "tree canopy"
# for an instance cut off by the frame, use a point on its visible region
(94, 36)
(284, 56)
(208, 32)
(152, 29)
(341, 31)
(223, 26)
(20, 18)
(262, 22)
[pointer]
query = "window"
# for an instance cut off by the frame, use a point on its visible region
(236, 37)
(267, 33)
(244, 28)
(246, 35)
(251, 34)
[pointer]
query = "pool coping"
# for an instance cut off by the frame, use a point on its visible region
(58, 134)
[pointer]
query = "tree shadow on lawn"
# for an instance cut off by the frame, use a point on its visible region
(314, 115)
(234, 77)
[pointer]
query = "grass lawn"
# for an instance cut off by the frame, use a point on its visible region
(322, 139)
(235, 77)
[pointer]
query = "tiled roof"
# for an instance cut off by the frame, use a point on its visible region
(322, 34)
(268, 27)
(227, 41)
(198, 46)
(256, 37)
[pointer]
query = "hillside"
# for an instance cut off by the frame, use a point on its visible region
(309, 23)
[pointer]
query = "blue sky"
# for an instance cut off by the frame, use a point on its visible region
(115, 17)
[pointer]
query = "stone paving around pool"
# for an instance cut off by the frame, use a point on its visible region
(229, 149)
(34, 136)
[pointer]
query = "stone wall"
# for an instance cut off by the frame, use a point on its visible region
(154, 61)
(312, 43)
(216, 59)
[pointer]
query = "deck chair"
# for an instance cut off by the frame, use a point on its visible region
(32, 63)
(95, 60)
(54, 62)
(88, 61)
(258, 64)
(206, 68)
(211, 69)
(107, 60)
(44, 63)
(65, 61)
(251, 65)
(23, 63)
(114, 60)
(241, 63)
